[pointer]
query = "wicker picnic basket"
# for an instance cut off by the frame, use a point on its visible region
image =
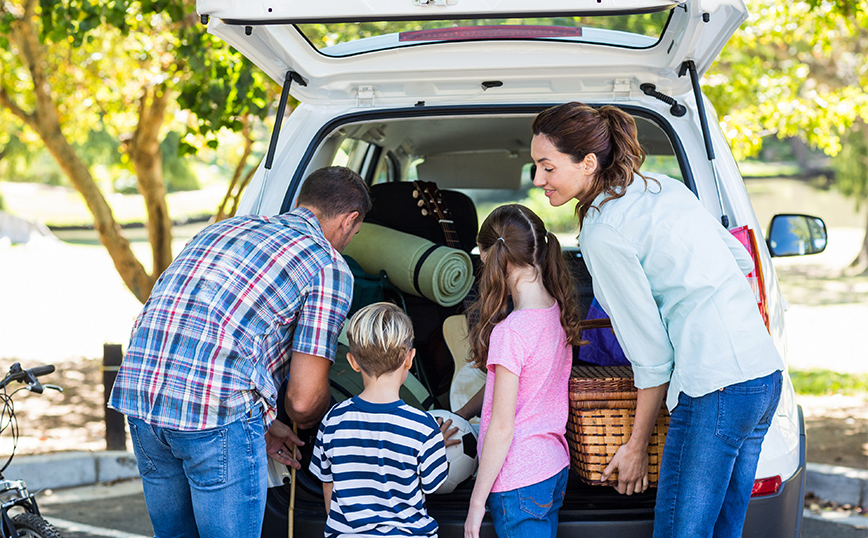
(602, 410)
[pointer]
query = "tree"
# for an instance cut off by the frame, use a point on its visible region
(72, 67)
(798, 69)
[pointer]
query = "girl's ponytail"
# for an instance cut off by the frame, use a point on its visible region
(491, 306)
(559, 283)
(513, 234)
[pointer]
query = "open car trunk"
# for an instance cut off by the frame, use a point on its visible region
(475, 155)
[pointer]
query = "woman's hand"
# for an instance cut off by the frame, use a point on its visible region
(448, 432)
(281, 443)
(631, 459)
(632, 466)
(473, 521)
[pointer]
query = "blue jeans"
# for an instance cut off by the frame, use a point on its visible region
(206, 483)
(710, 458)
(531, 511)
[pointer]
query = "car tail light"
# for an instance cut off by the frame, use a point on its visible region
(747, 237)
(465, 33)
(766, 486)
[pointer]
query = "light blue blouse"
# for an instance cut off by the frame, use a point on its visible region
(673, 281)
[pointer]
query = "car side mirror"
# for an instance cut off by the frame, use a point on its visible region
(796, 235)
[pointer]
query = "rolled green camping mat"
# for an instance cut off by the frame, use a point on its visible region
(415, 265)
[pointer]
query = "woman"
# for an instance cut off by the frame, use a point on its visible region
(672, 280)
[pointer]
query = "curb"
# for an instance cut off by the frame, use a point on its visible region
(842, 485)
(71, 469)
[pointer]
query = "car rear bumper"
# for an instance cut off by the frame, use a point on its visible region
(593, 514)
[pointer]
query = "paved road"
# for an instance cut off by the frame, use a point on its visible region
(118, 511)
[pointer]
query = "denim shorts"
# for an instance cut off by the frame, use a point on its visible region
(530, 511)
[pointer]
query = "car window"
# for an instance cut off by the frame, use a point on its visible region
(637, 31)
(351, 153)
(485, 157)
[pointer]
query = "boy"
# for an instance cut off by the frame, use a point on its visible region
(376, 456)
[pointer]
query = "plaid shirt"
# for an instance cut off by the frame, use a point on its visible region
(216, 335)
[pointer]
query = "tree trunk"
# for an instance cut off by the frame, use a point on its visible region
(233, 192)
(45, 122)
(144, 151)
(861, 260)
(237, 198)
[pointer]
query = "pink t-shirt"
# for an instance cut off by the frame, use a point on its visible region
(533, 345)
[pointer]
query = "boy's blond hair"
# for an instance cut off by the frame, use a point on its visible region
(380, 337)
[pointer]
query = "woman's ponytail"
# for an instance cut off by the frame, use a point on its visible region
(626, 155)
(608, 132)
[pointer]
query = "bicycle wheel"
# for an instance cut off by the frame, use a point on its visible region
(32, 526)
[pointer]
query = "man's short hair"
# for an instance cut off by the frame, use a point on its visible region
(380, 337)
(335, 190)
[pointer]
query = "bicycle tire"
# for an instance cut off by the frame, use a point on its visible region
(32, 526)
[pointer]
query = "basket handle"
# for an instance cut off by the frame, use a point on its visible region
(604, 323)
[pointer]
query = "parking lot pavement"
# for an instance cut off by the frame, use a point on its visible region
(108, 510)
(117, 510)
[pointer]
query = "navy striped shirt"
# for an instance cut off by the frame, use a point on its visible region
(382, 459)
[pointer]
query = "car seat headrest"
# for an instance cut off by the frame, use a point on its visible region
(395, 207)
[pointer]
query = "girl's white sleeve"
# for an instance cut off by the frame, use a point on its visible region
(622, 288)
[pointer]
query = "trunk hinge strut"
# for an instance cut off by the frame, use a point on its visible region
(690, 67)
(278, 121)
(281, 110)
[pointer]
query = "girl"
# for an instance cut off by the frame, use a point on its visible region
(524, 457)
(672, 280)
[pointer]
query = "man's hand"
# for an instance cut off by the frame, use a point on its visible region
(632, 467)
(281, 443)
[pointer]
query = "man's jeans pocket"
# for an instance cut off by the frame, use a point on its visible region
(204, 453)
(146, 466)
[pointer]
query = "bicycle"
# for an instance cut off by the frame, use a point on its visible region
(13, 493)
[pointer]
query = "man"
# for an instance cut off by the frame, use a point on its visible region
(247, 301)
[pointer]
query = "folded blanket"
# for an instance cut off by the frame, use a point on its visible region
(415, 265)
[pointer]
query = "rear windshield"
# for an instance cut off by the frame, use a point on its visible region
(636, 31)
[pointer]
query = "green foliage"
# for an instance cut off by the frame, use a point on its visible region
(23, 163)
(100, 148)
(177, 172)
(820, 382)
(73, 20)
(793, 69)
(851, 165)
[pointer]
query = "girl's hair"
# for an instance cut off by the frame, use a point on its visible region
(380, 336)
(514, 234)
(608, 132)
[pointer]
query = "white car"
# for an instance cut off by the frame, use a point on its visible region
(445, 91)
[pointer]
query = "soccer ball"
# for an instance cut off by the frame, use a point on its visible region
(462, 457)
